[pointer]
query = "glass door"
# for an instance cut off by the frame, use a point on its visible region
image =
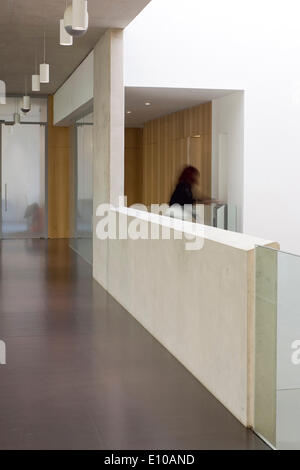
(84, 193)
(82, 242)
(23, 181)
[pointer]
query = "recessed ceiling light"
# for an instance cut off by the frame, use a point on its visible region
(147, 103)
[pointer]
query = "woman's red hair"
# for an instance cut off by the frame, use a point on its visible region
(189, 175)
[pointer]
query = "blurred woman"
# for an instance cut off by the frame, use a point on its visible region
(184, 191)
(183, 201)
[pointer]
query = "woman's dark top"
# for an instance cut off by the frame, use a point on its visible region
(182, 195)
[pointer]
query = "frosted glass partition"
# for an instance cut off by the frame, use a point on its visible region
(23, 181)
(277, 348)
(82, 241)
(84, 215)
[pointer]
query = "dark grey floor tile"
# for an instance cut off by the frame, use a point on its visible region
(81, 373)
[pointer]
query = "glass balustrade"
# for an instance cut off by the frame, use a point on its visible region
(277, 348)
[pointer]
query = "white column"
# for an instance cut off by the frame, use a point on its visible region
(108, 135)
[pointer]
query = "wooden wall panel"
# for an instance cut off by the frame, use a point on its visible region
(59, 172)
(200, 157)
(133, 165)
(169, 143)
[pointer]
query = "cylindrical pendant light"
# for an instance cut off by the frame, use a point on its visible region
(80, 15)
(68, 18)
(36, 83)
(2, 92)
(44, 73)
(26, 102)
(44, 68)
(65, 38)
(17, 118)
(35, 79)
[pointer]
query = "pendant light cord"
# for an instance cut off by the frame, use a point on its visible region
(44, 47)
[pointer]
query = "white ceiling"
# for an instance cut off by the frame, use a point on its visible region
(163, 101)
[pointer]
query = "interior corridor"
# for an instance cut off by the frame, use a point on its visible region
(81, 373)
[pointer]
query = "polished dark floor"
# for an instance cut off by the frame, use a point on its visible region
(81, 373)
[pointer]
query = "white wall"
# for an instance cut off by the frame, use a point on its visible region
(228, 152)
(250, 45)
(74, 98)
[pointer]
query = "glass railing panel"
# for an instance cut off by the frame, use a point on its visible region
(265, 344)
(288, 351)
(83, 247)
(221, 216)
(277, 348)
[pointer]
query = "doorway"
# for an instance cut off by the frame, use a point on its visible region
(23, 181)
